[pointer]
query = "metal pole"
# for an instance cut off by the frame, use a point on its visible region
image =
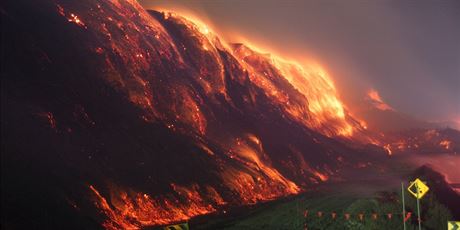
(403, 205)
(418, 208)
(297, 211)
(301, 219)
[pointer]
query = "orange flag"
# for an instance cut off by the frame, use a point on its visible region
(374, 216)
(408, 215)
(389, 215)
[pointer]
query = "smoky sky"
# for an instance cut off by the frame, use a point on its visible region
(409, 51)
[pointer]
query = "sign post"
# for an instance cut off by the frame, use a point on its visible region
(418, 189)
(418, 209)
(183, 226)
(403, 205)
(453, 225)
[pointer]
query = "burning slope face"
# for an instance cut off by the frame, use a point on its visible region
(382, 117)
(400, 133)
(427, 141)
(149, 118)
(374, 97)
(306, 94)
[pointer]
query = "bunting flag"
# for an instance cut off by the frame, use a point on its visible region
(408, 215)
(361, 216)
(374, 216)
(333, 215)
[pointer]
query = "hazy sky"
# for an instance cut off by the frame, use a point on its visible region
(409, 51)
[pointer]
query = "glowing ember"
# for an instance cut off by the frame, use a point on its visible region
(49, 117)
(321, 176)
(243, 152)
(317, 105)
(180, 85)
(132, 210)
(377, 101)
(71, 17)
(74, 18)
(388, 149)
(446, 144)
(428, 141)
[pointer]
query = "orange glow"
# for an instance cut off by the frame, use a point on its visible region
(321, 176)
(303, 92)
(426, 141)
(446, 144)
(49, 117)
(310, 97)
(317, 104)
(377, 101)
(250, 152)
(316, 101)
(71, 17)
(133, 210)
(388, 149)
(362, 123)
(74, 18)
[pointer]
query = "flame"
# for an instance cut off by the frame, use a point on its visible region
(362, 123)
(321, 176)
(252, 189)
(321, 105)
(315, 102)
(49, 117)
(71, 17)
(305, 169)
(318, 104)
(377, 101)
(446, 144)
(74, 18)
(387, 147)
(303, 92)
(134, 210)
(196, 22)
(315, 85)
(250, 152)
(418, 141)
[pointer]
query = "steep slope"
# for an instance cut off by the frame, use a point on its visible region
(440, 189)
(423, 141)
(115, 116)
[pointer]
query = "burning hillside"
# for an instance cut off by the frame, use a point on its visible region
(426, 141)
(126, 118)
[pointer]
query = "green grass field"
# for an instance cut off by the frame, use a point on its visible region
(374, 194)
(289, 215)
(339, 198)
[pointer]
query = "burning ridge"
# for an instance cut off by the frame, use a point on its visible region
(173, 45)
(162, 120)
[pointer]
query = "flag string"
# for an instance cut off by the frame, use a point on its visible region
(361, 215)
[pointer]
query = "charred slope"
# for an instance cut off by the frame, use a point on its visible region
(118, 117)
(423, 141)
(440, 188)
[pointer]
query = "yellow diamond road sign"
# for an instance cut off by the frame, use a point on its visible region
(183, 226)
(453, 225)
(418, 188)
